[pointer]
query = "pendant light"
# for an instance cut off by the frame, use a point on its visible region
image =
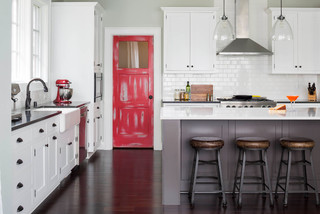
(281, 30)
(223, 31)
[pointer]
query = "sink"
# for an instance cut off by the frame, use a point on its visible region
(68, 118)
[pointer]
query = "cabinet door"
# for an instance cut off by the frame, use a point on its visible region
(308, 42)
(39, 169)
(71, 153)
(203, 47)
(52, 160)
(63, 158)
(177, 41)
(285, 52)
(98, 46)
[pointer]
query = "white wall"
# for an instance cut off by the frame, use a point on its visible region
(5, 88)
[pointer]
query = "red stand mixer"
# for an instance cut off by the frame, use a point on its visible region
(64, 93)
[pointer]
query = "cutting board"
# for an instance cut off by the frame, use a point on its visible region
(199, 92)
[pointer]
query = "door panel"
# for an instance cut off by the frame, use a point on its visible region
(133, 91)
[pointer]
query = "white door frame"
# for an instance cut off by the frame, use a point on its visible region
(107, 143)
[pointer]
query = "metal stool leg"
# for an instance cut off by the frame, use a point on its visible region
(192, 174)
(268, 177)
(194, 178)
(315, 179)
(279, 173)
(224, 202)
(242, 178)
(262, 175)
(305, 173)
(236, 175)
(285, 202)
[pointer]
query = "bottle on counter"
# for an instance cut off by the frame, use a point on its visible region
(176, 94)
(188, 91)
(182, 92)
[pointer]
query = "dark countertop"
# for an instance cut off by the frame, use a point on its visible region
(30, 117)
(73, 104)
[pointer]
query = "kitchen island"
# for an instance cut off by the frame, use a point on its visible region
(181, 123)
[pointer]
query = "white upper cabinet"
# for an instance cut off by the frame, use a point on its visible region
(188, 40)
(301, 55)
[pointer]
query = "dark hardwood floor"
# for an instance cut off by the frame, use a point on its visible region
(129, 181)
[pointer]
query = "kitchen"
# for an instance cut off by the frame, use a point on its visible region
(234, 75)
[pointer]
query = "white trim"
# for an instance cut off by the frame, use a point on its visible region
(108, 81)
(189, 9)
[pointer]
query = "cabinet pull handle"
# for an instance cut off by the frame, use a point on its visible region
(20, 208)
(98, 64)
(19, 162)
(69, 143)
(98, 118)
(41, 130)
(19, 185)
(47, 145)
(19, 140)
(54, 125)
(54, 137)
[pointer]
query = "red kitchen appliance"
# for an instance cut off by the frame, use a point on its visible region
(64, 92)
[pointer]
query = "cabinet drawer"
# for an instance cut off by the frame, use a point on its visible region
(21, 138)
(22, 204)
(39, 130)
(22, 159)
(22, 183)
(53, 125)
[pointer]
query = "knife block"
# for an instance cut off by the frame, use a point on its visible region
(312, 98)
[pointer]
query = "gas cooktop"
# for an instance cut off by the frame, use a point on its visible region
(247, 102)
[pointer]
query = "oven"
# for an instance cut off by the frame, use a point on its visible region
(98, 86)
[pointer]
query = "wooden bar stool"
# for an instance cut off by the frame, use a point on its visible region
(252, 144)
(206, 143)
(296, 144)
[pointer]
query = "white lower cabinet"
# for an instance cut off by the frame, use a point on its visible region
(43, 157)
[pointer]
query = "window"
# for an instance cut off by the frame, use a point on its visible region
(30, 40)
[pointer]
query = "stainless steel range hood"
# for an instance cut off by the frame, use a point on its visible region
(243, 45)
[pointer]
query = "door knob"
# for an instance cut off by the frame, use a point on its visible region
(150, 97)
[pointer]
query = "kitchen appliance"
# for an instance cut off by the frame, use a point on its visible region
(246, 101)
(64, 92)
(98, 87)
(243, 45)
(82, 134)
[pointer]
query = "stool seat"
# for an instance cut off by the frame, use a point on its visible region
(253, 142)
(296, 142)
(206, 142)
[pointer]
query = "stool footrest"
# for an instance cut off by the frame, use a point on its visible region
(300, 162)
(250, 177)
(212, 162)
(257, 162)
(212, 177)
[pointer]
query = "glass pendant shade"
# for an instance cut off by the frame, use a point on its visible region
(223, 31)
(281, 30)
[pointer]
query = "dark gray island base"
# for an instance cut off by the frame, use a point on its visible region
(177, 153)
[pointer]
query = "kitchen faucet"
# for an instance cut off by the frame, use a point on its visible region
(28, 99)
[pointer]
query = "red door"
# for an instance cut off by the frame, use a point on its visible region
(133, 91)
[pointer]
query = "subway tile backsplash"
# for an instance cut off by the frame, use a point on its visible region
(243, 75)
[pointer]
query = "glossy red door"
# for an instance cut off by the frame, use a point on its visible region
(133, 92)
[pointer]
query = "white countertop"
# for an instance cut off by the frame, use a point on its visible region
(214, 113)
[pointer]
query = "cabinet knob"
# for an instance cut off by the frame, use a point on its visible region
(19, 185)
(191, 66)
(54, 137)
(300, 66)
(70, 143)
(20, 208)
(47, 145)
(98, 107)
(19, 140)
(54, 125)
(296, 66)
(41, 130)
(19, 162)
(98, 118)
(187, 66)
